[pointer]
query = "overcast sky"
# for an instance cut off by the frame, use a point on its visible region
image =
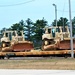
(12, 11)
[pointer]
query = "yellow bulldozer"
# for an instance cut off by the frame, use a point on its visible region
(57, 38)
(12, 41)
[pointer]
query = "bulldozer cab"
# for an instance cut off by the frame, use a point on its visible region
(47, 34)
(56, 32)
(63, 32)
(12, 35)
(50, 32)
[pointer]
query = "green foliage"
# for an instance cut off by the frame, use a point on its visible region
(61, 22)
(28, 29)
(38, 30)
(18, 26)
(54, 23)
(73, 25)
(3, 29)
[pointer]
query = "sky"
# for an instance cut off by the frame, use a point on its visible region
(13, 11)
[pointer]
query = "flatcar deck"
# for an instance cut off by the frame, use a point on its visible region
(37, 53)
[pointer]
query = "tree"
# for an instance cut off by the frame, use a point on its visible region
(38, 30)
(28, 29)
(73, 25)
(3, 29)
(61, 22)
(1, 32)
(54, 23)
(22, 25)
(18, 26)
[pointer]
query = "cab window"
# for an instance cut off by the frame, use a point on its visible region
(57, 30)
(19, 33)
(13, 34)
(49, 30)
(6, 34)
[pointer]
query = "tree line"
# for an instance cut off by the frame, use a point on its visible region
(34, 30)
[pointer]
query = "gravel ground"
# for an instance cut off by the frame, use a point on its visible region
(38, 63)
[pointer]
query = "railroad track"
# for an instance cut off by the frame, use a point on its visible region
(32, 58)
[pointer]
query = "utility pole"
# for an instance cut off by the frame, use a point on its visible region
(55, 13)
(72, 52)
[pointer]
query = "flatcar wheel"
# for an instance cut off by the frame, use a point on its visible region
(2, 57)
(7, 56)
